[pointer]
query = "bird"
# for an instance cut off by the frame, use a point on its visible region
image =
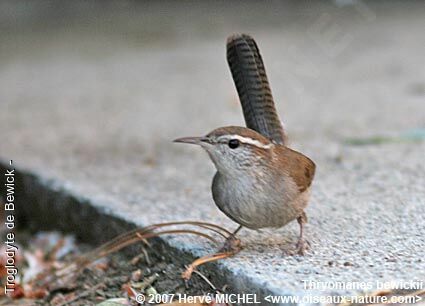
(260, 182)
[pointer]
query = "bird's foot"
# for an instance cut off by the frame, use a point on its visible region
(231, 245)
(302, 246)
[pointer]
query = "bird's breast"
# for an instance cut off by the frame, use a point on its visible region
(255, 202)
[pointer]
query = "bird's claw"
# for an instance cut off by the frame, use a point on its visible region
(231, 245)
(302, 246)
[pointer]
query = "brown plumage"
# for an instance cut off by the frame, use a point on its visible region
(300, 168)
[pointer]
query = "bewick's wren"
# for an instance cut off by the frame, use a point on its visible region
(259, 181)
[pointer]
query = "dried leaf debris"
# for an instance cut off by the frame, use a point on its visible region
(53, 268)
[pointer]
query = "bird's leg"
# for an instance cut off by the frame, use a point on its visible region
(237, 230)
(302, 244)
(232, 244)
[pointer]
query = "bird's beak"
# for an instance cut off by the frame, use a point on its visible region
(191, 140)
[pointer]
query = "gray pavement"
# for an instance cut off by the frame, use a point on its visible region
(94, 105)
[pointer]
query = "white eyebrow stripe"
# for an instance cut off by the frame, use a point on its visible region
(246, 140)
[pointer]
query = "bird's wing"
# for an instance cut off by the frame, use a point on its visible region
(251, 82)
(298, 166)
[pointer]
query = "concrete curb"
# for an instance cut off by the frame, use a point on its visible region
(46, 204)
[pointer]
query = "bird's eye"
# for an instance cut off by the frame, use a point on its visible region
(233, 143)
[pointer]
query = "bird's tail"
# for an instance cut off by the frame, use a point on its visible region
(251, 82)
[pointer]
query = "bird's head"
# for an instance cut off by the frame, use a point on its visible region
(234, 149)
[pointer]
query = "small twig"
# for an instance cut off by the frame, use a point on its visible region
(197, 223)
(187, 274)
(181, 232)
(231, 247)
(146, 255)
(116, 243)
(127, 239)
(205, 279)
(417, 293)
(147, 282)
